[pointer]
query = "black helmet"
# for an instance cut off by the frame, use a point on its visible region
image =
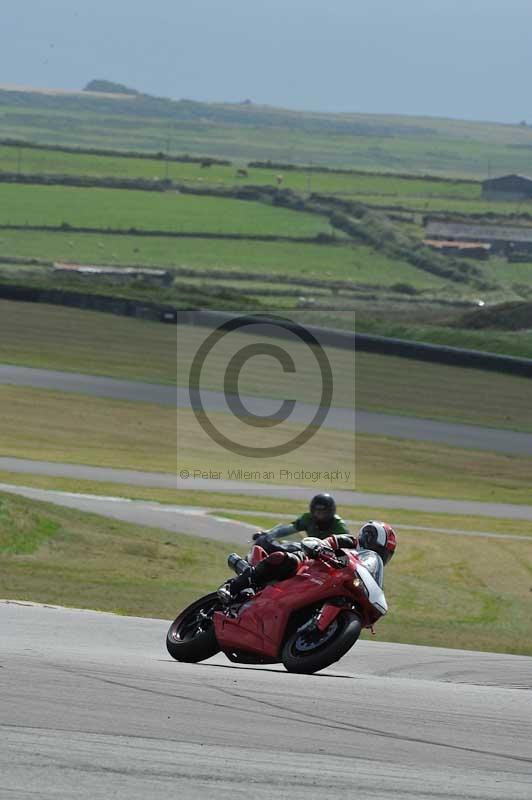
(379, 537)
(323, 502)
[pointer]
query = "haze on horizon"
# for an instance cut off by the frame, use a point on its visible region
(467, 59)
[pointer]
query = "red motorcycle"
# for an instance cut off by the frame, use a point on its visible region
(307, 622)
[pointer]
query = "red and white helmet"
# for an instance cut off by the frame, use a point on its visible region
(379, 537)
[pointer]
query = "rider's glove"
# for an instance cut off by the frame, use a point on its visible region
(258, 535)
(312, 547)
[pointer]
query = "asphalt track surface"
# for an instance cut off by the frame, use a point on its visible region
(199, 521)
(464, 436)
(297, 493)
(93, 708)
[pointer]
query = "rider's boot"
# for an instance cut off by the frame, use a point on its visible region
(277, 566)
(236, 588)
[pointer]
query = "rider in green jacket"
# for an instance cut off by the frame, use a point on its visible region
(320, 522)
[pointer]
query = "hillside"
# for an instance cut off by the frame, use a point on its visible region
(248, 132)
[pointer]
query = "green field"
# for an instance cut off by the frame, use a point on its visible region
(438, 595)
(126, 209)
(343, 261)
(424, 204)
(385, 274)
(49, 162)
(506, 273)
(415, 194)
(515, 343)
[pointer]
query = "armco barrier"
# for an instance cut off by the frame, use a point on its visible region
(382, 345)
(442, 354)
(91, 302)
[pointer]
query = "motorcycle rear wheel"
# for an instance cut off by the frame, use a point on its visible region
(309, 651)
(191, 637)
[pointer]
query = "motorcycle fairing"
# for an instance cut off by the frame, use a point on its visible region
(375, 594)
(261, 623)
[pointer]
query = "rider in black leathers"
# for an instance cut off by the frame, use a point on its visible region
(376, 543)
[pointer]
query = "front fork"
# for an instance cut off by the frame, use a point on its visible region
(327, 615)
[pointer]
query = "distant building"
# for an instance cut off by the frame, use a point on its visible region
(507, 187)
(467, 249)
(504, 239)
(116, 274)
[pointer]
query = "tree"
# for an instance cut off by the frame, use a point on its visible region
(108, 87)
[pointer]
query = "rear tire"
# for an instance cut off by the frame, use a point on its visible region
(191, 637)
(308, 652)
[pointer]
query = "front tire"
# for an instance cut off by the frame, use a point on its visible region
(191, 637)
(308, 651)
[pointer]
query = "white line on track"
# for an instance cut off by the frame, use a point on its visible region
(196, 520)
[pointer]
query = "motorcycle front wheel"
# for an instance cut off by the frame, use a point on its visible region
(191, 635)
(308, 650)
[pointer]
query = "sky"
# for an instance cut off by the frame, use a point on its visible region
(468, 59)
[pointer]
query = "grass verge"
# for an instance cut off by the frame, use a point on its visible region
(450, 592)
(459, 597)
(438, 595)
(402, 466)
(396, 385)
(404, 521)
(375, 463)
(231, 505)
(54, 426)
(75, 428)
(53, 337)
(54, 555)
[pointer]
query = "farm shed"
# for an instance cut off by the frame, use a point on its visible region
(504, 239)
(116, 274)
(451, 248)
(507, 187)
